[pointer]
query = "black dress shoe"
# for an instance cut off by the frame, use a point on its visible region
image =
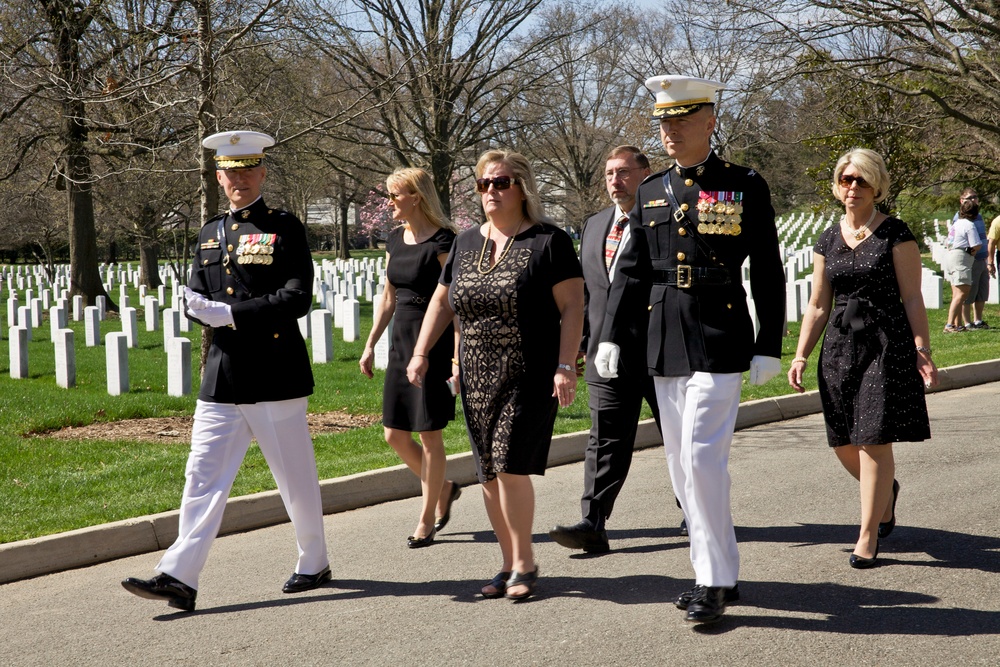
(299, 583)
(862, 563)
(730, 595)
(706, 605)
(442, 521)
(163, 587)
(418, 542)
(885, 528)
(581, 536)
(684, 526)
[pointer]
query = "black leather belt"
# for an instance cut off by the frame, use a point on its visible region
(685, 276)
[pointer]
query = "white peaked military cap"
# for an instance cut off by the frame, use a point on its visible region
(235, 150)
(681, 95)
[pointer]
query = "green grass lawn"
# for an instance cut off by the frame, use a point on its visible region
(50, 485)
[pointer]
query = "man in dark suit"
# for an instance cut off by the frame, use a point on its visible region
(251, 281)
(614, 403)
(693, 226)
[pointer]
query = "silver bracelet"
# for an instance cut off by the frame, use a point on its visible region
(925, 350)
(565, 367)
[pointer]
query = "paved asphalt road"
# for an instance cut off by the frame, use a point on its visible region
(934, 599)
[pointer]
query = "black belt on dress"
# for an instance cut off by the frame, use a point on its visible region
(418, 300)
(685, 276)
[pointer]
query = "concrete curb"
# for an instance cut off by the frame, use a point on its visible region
(96, 544)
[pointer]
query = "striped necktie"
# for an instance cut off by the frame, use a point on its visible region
(614, 238)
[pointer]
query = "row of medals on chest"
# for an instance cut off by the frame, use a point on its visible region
(719, 217)
(255, 249)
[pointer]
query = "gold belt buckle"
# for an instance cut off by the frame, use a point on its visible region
(683, 276)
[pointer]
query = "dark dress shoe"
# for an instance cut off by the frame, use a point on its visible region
(730, 595)
(499, 584)
(706, 605)
(163, 587)
(862, 563)
(442, 521)
(299, 583)
(684, 526)
(418, 542)
(885, 528)
(529, 579)
(581, 536)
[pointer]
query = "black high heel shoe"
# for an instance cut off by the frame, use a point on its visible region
(442, 521)
(885, 528)
(862, 563)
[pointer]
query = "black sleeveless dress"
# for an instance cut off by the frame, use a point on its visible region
(414, 271)
(871, 390)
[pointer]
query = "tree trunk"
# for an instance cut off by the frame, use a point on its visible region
(149, 249)
(345, 244)
(206, 126)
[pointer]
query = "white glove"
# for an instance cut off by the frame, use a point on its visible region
(606, 360)
(763, 369)
(194, 300)
(215, 314)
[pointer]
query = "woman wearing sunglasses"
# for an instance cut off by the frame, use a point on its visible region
(416, 251)
(876, 356)
(516, 285)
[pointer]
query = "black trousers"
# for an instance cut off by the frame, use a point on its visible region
(614, 413)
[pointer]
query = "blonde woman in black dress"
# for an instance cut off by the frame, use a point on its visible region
(516, 285)
(415, 253)
(876, 356)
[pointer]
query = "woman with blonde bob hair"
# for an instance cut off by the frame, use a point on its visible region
(516, 286)
(415, 252)
(876, 355)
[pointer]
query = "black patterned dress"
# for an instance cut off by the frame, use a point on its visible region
(414, 271)
(510, 328)
(871, 390)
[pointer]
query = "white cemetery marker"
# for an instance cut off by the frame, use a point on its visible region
(116, 357)
(65, 358)
(24, 319)
(179, 367)
(142, 293)
(12, 310)
(92, 326)
(338, 303)
(152, 314)
(382, 345)
(322, 336)
(77, 308)
(19, 352)
(352, 320)
(57, 321)
(46, 299)
(36, 313)
(102, 306)
(171, 326)
(130, 326)
(304, 323)
(161, 293)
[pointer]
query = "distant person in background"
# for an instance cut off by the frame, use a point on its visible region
(515, 284)
(251, 282)
(876, 356)
(992, 238)
(415, 252)
(963, 244)
(979, 287)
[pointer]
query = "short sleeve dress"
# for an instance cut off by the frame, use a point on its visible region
(871, 390)
(414, 271)
(510, 328)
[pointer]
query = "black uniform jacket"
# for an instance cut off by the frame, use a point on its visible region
(596, 287)
(261, 266)
(697, 323)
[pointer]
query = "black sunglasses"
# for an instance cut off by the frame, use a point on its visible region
(500, 183)
(848, 181)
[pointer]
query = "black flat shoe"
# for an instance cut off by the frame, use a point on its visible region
(163, 587)
(729, 596)
(885, 528)
(499, 583)
(862, 563)
(707, 604)
(442, 521)
(529, 579)
(418, 542)
(299, 583)
(581, 536)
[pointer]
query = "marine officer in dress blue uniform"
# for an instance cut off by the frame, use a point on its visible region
(692, 227)
(251, 281)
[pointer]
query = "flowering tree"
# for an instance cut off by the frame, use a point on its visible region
(375, 218)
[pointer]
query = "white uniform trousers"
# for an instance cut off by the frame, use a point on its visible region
(219, 442)
(698, 414)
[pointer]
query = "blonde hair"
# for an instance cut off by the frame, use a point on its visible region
(519, 166)
(417, 181)
(870, 166)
